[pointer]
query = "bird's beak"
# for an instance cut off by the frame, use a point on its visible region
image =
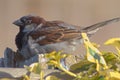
(18, 23)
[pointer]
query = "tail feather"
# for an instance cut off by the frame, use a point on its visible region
(95, 27)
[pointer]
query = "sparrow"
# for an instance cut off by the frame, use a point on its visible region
(39, 36)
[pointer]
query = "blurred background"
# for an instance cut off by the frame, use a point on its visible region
(77, 12)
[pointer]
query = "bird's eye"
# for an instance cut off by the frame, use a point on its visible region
(28, 21)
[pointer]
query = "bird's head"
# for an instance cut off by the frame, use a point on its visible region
(29, 22)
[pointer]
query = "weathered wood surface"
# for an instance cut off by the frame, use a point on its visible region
(12, 72)
(16, 73)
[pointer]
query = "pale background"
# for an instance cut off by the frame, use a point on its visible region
(77, 12)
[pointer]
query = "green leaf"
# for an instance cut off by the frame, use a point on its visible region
(111, 59)
(115, 75)
(101, 78)
(35, 68)
(52, 78)
(25, 77)
(113, 41)
(82, 66)
(109, 56)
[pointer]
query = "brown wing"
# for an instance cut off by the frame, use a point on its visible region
(54, 32)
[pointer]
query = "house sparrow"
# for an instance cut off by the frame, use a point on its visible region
(38, 36)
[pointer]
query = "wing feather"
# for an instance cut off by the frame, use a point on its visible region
(55, 33)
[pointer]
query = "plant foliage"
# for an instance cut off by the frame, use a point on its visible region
(97, 65)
